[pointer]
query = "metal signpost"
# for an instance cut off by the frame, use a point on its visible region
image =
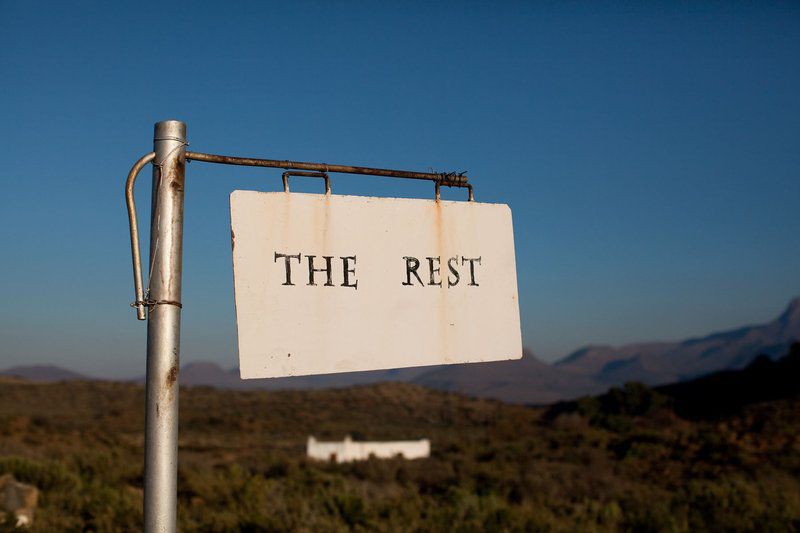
(357, 283)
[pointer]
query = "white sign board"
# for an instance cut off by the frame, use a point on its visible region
(331, 283)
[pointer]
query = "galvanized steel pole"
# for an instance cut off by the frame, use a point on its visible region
(163, 328)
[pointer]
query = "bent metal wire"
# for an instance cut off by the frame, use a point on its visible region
(321, 170)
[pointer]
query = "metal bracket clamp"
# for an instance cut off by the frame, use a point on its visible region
(467, 186)
(149, 303)
(323, 175)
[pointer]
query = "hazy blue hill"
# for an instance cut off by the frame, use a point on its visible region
(45, 373)
(527, 380)
(657, 363)
(207, 374)
(598, 359)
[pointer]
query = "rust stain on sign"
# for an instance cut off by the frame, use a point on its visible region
(349, 283)
(443, 316)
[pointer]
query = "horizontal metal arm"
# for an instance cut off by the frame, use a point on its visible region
(451, 179)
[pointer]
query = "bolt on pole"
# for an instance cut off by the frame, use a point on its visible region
(163, 328)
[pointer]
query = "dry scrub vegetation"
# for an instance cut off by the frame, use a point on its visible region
(622, 462)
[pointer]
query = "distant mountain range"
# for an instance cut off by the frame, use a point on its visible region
(664, 362)
(590, 370)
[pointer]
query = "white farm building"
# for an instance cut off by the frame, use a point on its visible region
(350, 450)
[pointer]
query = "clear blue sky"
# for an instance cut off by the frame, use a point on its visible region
(650, 153)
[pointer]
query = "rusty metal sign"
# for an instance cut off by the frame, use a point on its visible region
(329, 283)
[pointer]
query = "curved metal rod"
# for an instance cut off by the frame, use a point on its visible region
(134, 226)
